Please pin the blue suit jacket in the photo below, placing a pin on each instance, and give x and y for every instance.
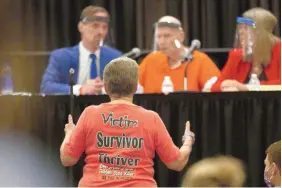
(56, 77)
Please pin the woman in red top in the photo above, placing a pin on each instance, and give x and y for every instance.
(258, 52)
(120, 138)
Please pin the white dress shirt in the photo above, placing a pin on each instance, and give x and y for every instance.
(84, 68)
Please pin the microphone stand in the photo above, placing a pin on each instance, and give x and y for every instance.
(187, 60)
(71, 83)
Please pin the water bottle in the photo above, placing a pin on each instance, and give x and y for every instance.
(140, 89)
(254, 83)
(167, 85)
(7, 81)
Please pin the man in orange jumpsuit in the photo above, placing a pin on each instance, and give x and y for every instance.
(167, 60)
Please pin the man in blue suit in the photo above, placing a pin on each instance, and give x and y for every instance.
(88, 58)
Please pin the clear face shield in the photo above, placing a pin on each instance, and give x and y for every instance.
(98, 30)
(167, 38)
(245, 36)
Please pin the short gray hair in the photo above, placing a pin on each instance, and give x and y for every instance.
(121, 77)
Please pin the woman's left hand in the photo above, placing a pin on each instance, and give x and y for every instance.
(233, 85)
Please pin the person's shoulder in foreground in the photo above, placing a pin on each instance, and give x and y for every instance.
(133, 109)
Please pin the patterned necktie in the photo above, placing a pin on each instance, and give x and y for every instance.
(93, 73)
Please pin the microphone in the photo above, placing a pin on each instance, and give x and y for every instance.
(134, 51)
(71, 80)
(71, 83)
(195, 45)
(187, 57)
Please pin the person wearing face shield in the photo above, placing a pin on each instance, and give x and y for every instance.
(167, 60)
(272, 171)
(256, 51)
(88, 58)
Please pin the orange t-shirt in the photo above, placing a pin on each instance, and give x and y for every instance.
(154, 68)
(120, 142)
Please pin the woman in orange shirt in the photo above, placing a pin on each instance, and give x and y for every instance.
(119, 138)
(257, 51)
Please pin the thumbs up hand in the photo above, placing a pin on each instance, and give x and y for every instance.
(70, 126)
(189, 137)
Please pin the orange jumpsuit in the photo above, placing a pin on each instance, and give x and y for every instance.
(154, 68)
